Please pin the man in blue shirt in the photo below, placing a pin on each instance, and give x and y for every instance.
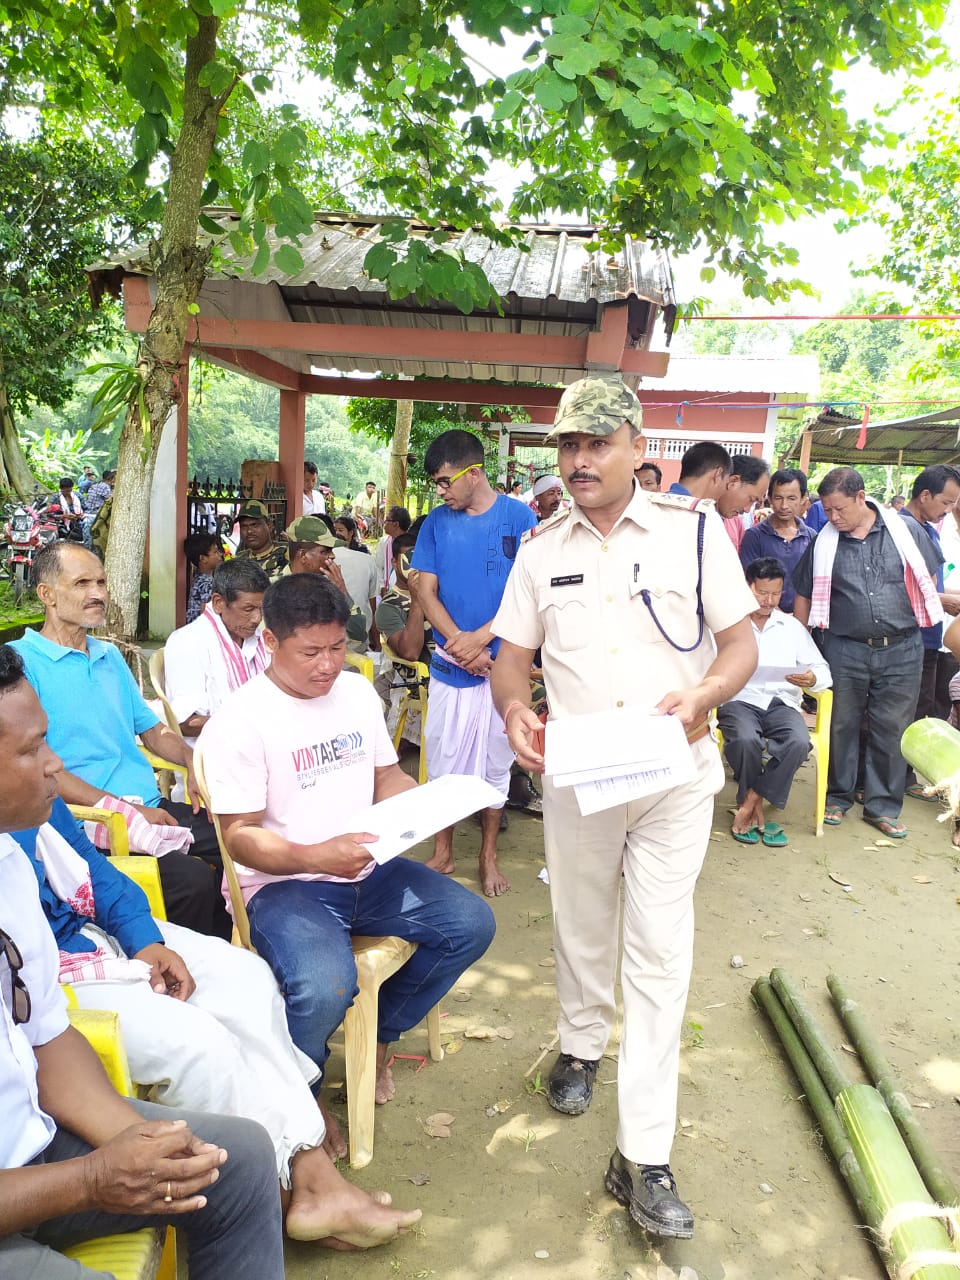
(704, 471)
(464, 553)
(783, 535)
(95, 713)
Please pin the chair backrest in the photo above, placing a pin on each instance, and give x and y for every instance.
(158, 679)
(144, 871)
(362, 664)
(237, 905)
(419, 669)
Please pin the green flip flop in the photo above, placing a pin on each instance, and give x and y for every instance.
(773, 836)
(746, 837)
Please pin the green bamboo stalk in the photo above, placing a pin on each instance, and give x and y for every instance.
(832, 1074)
(818, 1100)
(941, 1186)
(933, 748)
(893, 1180)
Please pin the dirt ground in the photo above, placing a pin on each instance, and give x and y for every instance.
(516, 1190)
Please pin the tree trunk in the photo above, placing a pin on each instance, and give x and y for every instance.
(399, 448)
(15, 475)
(179, 266)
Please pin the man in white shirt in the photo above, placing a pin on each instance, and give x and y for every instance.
(360, 575)
(766, 715)
(78, 1161)
(209, 658)
(365, 504)
(314, 503)
(292, 760)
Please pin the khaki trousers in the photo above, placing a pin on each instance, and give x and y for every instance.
(655, 848)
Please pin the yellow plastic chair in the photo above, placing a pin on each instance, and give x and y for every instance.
(141, 868)
(820, 737)
(158, 679)
(115, 823)
(151, 1252)
(360, 663)
(377, 959)
(412, 696)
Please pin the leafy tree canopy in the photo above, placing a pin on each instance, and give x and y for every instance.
(691, 129)
(918, 214)
(64, 203)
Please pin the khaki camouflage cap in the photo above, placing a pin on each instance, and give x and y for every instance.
(596, 405)
(310, 529)
(254, 509)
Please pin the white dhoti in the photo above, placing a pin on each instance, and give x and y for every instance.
(465, 734)
(227, 1049)
(655, 848)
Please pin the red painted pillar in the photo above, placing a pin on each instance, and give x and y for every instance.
(293, 405)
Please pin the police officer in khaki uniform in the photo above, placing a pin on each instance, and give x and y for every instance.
(635, 600)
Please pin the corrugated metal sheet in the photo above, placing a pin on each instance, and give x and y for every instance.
(917, 442)
(552, 285)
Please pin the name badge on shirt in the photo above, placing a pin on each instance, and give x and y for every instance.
(567, 580)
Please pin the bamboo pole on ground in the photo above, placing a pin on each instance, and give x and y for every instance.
(889, 1191)
(881, 1072)
(832, 1074)
(819, 1101)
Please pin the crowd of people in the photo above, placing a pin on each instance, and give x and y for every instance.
(599, 593)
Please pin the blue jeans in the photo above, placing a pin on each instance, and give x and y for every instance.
(238, 1235)
(302, 928)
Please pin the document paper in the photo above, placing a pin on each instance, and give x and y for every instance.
(613, 757)
(412, 816)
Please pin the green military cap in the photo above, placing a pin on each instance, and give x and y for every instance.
(310, 529)
(254, 509)
(596, 405)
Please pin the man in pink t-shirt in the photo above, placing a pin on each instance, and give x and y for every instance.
(290, 758)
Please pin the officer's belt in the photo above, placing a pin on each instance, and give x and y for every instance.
(699, 732)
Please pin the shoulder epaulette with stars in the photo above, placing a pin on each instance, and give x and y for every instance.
(682, 502)
(554, 522)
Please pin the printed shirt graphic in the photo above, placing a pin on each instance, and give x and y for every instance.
(472, 557)
(306, 763)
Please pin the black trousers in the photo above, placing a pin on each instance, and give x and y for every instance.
(747, 730)
(191, 883)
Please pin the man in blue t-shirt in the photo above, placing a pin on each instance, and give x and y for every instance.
(463, 556)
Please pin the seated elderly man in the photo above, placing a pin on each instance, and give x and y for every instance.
(292, 759)
(96, 711)
(210, 657)
(78, 1161)
(203, 1025)
(765, 715)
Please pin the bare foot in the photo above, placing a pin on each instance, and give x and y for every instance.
(384, 1089)
(441, 863)
(324, 1207)
(492, 880)
(334, 1143)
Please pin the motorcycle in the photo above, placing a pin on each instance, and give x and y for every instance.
(28, 529)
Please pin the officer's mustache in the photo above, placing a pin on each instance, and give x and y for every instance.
(583, 475)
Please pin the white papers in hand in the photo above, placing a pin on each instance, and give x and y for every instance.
(613, 757)
(412, 816)
(775, 675)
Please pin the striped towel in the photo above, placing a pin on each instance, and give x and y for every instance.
(920, 587)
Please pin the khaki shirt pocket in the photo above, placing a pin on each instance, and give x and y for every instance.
(565, 617)
(674, 611)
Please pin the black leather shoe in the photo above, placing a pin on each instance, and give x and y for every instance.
(570, 1086)
(650, 1193)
